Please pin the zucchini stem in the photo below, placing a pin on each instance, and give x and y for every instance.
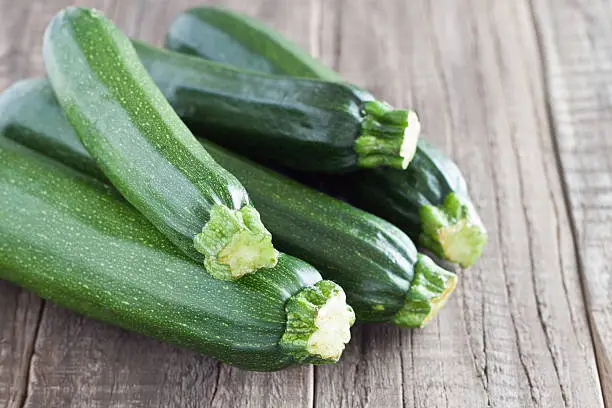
(430, 288)
(388, 136)
(235, 243)
(318, 324)
(453, 230)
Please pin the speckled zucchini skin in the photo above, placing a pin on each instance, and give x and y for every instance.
(125, 122)
(222, 35)
(68, 238)
(370, 258)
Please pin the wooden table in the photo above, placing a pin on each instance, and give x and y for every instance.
(519, 92)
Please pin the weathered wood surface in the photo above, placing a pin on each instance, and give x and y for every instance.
(502, 86)
(576, 39)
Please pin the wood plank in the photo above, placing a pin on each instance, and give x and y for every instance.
(84, 363)
(369, 374)
(19, 318)
(516, 334)
(576, 40)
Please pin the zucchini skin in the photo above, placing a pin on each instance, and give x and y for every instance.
(86, 250)
(140, 143)
(402, 197)
(370, 258)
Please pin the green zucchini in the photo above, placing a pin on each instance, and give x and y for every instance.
(242, 41)
(70, 239)
(429, 200)
(145, 149)
(322, 126)
(376, 264)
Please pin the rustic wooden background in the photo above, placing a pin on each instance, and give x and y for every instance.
(519, 92)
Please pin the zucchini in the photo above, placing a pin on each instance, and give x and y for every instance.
(371, 259)
(145, 149)
(429, 200)
(219, 34)
(70, 239)
(321, 126)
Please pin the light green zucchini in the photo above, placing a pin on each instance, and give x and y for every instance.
(146, 151)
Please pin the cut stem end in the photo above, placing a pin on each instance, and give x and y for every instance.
(318, 324)
(453, 230)
(430, 288)
(235, 243)
(388, 136)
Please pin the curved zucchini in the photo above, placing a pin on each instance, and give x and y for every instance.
(146, 151)
(67, 237)
(371, 259)
(429, 200)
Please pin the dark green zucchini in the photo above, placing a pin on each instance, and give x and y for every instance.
(319, 126)
(145, 149)
(373, 261)
(242, 41)
(70, 239)
(429, 200)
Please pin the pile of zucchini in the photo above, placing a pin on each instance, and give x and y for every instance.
(112, 207)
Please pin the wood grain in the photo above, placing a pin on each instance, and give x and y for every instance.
(516, 333)
(472, 69)
(576, 41)
(19, 317)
